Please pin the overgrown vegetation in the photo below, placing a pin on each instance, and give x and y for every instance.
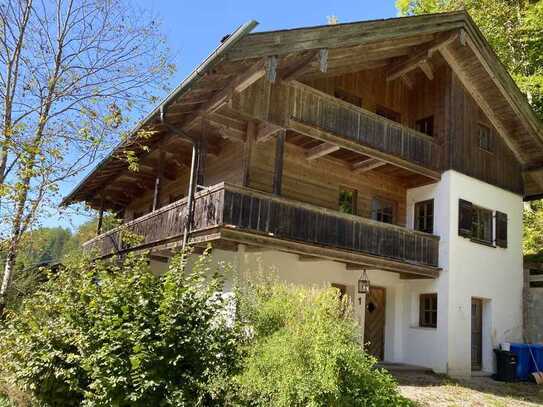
(305, 351)
(103, 334)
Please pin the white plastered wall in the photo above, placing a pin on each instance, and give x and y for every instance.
(470, 270)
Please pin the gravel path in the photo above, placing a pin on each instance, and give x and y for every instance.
(428, 389)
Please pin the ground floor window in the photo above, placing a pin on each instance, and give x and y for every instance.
(428, 310)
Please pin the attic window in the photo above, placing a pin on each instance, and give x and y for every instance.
(389, 114)
(425, 125)
(486, 140)
(348, 97)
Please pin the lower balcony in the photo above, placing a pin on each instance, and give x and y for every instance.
(226, 215)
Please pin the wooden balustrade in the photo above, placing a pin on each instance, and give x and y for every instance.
(232, 207)
(313, 107)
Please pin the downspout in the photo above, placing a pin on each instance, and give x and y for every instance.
(193, 168)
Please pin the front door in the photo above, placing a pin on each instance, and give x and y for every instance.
(476, 333)
(374, 325)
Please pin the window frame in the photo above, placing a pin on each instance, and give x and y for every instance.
(489, 147)
(416, 216)
(427, 121)
(381, 201)
(432, 310)
(348, 97)
(354, 193)
(476, 216)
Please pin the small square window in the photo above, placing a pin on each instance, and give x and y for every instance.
(428, 310)
(425, 125)
(348, 97)
(382, 210)
(424, 216)
(486, 140)
(347, 200)
(389, 114)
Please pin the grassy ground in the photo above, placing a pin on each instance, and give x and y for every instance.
(427, 389)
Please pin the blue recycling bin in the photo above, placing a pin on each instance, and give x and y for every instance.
(524, 360)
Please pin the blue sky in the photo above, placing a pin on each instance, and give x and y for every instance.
(194, 29)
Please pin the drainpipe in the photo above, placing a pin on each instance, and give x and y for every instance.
(193, 170)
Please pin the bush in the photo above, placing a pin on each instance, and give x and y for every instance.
(305, 351)
(106, 334)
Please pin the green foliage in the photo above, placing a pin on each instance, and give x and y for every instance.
(533, 230)
(305, 351)
(113, 334)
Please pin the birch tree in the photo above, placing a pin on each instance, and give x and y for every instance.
(74, 74)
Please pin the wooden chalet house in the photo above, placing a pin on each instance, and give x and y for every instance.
(399, 147)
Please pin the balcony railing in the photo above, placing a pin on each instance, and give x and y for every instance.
(316, 108)
(232, 207)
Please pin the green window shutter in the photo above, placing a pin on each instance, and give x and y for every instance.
(465, 218)
(501, 229)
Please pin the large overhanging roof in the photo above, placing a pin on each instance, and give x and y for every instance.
(350, 47)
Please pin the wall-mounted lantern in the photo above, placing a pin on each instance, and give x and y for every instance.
(363, 283)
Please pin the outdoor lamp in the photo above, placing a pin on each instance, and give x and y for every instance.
(363, 283)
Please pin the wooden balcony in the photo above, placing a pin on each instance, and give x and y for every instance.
(230, 213)
(318, 115)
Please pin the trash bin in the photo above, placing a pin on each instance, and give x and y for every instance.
(524, 360)
(537, 350)
(507, 366)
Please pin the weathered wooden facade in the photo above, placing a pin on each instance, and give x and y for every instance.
(277, 129)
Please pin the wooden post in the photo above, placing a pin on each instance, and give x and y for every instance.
(247, 151)
(190, 194)
(202, 154)
(158, 180)
(278, 170)
(100, 218)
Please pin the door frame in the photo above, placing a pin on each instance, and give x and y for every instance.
(384, 290)
(480, 302)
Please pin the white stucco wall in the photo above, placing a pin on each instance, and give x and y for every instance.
(470, 270)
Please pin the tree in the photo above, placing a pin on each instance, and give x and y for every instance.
(75, 73)
(112, 333)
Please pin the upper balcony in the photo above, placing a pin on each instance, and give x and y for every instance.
(228, 213)
(308, 111)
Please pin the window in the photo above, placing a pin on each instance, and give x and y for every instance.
(348, 97)
(482, 225)
(478, 224)
(382, 210)
(536, 282)
(425, 125)
(389, 114)
(347, 200)
(486, 140)
(428, 310)
(424, 216)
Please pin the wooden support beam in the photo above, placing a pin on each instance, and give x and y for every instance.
(309, 259)
(271, 68)
(426, 67)
(158, 180)
(221, 98)
(266, 131)
(202, 153)
(248, 151)
(100, 217)
(323, 60)
(320, 151)
(420, 59)
(367, 165)
(407, 82)
(279, 157)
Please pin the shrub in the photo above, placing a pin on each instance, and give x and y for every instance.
(305, 351)
(113, 334)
